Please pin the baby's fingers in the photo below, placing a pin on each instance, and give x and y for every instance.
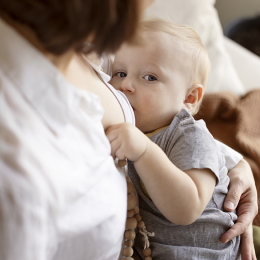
(116, 149)
(112, 133)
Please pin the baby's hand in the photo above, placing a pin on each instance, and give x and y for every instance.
(127, 141)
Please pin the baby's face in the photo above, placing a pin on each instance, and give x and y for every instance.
(152, 76)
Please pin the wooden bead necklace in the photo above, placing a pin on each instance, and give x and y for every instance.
(134, 221)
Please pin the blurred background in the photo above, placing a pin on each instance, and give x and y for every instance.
(230, 10)
(240, 20)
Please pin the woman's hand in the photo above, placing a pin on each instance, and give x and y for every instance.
(242, 196)
(247, 248)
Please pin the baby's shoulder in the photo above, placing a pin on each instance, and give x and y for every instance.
(185, 124)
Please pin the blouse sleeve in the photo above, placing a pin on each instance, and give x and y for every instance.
(232, 157)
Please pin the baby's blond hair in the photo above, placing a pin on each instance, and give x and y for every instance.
(190, 44)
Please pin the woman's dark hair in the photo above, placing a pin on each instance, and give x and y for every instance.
(62, 24)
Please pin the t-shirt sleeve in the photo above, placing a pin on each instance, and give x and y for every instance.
(191, 146)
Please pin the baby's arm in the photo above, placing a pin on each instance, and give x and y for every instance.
(180, 196)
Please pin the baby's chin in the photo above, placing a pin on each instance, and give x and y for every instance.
(139, 126)
(142, 127)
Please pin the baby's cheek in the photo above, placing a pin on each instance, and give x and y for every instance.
(150, 102)
(114, 84)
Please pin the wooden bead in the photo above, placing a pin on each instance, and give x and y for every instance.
(127, 258)
(131, 223)
(130, 213)
(131, 201)
(148, 258)
(129, 243)
(127, 178)
(138, 217)
(130, 187)
(141, 224)
(147, 251)
(136, 209)
(121, 163)
(128, 251)
(129, 235)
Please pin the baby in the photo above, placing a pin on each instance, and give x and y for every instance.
(180, 173)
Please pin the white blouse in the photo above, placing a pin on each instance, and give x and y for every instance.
(61, 196)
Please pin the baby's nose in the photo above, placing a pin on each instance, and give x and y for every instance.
(127, 86)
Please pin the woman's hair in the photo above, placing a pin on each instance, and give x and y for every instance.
(189, 43)
(63, 24)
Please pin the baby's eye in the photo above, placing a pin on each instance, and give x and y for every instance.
(150, 77)
(121, 74)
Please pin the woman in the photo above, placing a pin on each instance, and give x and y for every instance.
(61, 195)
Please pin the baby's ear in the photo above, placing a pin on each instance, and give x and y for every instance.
(193, 97)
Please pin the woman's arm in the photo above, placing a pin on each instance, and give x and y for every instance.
(163, 180)
(243, 196)
(247, 248)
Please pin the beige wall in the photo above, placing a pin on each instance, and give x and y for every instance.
(229, 10)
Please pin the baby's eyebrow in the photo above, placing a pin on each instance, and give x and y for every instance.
(154, 67)
(116, 67)
(116, 63)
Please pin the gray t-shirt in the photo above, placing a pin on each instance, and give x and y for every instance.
(189, 145)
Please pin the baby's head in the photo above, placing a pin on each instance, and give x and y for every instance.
(163, 71)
